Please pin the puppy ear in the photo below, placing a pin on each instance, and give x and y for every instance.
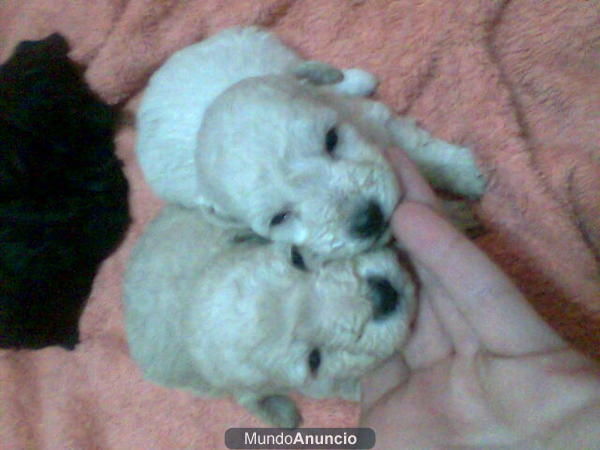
(317, 73)
(276, 410)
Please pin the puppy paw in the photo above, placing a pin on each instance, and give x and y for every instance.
(350, 82)
(446, 166)
(456, 171)
(357, 83)
(276, 410)
(469, 180)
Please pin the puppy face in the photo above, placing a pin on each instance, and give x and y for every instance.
(268, 324)
(222, 312)
(286, 159)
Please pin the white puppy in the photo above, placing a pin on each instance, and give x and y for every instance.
(219, 312)
(242, 127)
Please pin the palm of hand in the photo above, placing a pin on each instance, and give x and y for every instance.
(482, 369)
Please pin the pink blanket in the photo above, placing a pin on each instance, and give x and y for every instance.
(518, 81)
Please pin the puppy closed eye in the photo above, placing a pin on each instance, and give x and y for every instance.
(279, 218)
(314, 360)
(331, 141)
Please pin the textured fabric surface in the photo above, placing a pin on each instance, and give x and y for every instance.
(517, 81)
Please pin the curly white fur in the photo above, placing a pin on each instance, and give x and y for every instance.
(237, 125)
(218, 313)
(245, 137)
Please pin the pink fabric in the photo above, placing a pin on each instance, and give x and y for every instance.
(518, 81)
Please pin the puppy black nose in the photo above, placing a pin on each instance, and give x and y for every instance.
(368, 221)
(384, 297)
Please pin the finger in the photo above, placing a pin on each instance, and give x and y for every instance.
(484, 297)
(415, 187)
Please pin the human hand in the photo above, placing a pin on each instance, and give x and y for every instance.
(481, 369)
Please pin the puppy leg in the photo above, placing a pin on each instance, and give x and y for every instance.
(277, 410)
(446, 166)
